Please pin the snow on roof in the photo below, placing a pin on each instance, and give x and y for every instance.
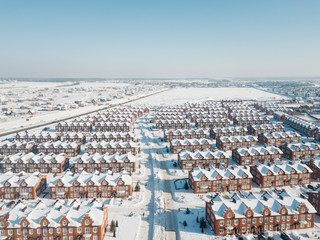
(258, 203)
(112, 144)
(192, 141)
(34, 212)
(15, 179)
(90, 179)
(98, 158)
(259, 149)
(239, 138)
(58, 144)
(282, 168)
(302, 146)
(34, 158)
(205, 154)
(224, 173)
(281, 134)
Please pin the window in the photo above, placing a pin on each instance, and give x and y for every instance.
(70, 230)
(86, 222)
(95, 229)
(79, 230)
(64, 223)
(221, 231)
(221, 223)
(24, 224)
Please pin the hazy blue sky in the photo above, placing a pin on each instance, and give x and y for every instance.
(159, 38)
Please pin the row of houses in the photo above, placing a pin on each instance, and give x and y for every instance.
(190, 159)
(300, 125)
(38, 220)
(177, 145)
(281, 174)
(300, 151)
(105, 162)
(30, 163)
(246, 121)
(278, 138)
(66, 185)
(212, 122)
(227, 132)
(172, 124)
(111, 147)
(232, 142)
(258, 213)
(220, 179)
(256, 129)
(183, 133)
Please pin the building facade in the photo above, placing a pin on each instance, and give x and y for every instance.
(22, 185)
(232, 142)
(220, 180)
(281, 174)
(251, 155)
(190, 159)
(259, 213)
(31, 163)
(105, 162)
(90, 185)
(86, 220)
(177, 145)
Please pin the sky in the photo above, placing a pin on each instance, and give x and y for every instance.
(159, 38)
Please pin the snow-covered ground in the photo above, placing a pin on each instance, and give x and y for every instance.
(182, 95)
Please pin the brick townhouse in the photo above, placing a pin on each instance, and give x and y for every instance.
(90, 185)
(300, 151)
(172, 124)
(256, 129)
(261, 154)
(74, 137)
(220, 179)
(246, 121)
(227, 131)
(190, 159)
(73, 127)
(244, 113)
(38, 220)
(279, 116)
(113, 127)
(105, 162)
(300, 125)
(111, 147)
(177, 145)
(37, 137)
(183, 133)
(112, 136)
(72, 149)
(232, 142)
(281, 174)
(22, 185)
(9, 148)
(166, 117)
(314, 198)
(31, 163)
(314, 165)
(212, 122)
(278, 138)
(258, 213)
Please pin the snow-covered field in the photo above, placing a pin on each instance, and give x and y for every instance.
(182, 95)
